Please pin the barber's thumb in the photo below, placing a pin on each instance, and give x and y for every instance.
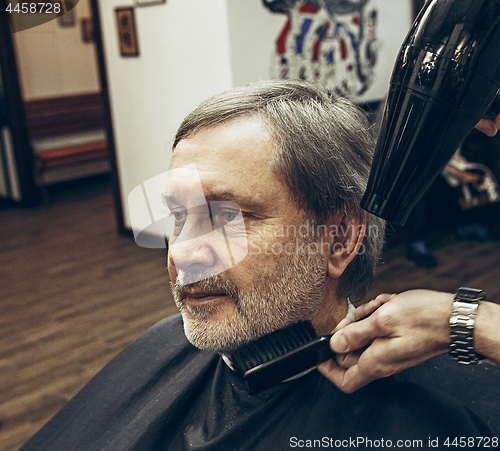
(339, 343)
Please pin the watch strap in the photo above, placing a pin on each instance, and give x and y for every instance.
(462, 323)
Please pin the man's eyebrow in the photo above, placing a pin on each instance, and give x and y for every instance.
(210, 196)
(166, 198)
(222, 196)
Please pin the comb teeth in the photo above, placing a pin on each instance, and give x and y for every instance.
(271, 346)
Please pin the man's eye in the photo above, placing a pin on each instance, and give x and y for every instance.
(179, 215)
(229, 215)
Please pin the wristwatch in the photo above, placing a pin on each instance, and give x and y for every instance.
(462, 321)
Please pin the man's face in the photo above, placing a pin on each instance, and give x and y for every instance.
(280, 280)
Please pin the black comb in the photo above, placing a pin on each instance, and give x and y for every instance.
(280, 355)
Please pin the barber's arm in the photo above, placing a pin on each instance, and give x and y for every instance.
(402, 331)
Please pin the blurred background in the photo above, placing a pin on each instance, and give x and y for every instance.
(89, 104)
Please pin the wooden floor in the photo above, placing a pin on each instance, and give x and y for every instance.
(74, 293)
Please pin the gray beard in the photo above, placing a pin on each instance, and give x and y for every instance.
(294, 291)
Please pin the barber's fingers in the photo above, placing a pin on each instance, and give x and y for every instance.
(367, 309)
(488, 126)
(352, 337)
(379, 324)
(351, 379)
(339, 376)
(342, 324)
(349, 372)
(349, 359)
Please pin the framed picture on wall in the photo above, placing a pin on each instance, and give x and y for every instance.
(127, 35)
(87, 30)
(148, 2)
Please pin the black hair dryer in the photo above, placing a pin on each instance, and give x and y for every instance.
(446, 78)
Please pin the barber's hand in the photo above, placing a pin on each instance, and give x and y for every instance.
(489, 126)
(401, 331)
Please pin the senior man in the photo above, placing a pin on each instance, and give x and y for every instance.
(264, 186)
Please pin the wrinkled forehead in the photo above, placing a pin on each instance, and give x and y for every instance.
(184, 186)
(233, 157)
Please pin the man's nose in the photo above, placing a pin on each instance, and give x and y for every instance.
(195, 254)
(200, 257)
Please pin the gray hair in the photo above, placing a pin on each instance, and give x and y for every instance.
(324, 147)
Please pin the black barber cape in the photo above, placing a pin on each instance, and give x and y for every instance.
(161, 393)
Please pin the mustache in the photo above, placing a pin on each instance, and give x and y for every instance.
(213, 283)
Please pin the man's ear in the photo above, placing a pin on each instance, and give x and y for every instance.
(346, 241)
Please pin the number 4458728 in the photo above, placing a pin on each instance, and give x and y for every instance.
(32, 8)
(471, 442)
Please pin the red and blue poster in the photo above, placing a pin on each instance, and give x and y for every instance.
(332, 43)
